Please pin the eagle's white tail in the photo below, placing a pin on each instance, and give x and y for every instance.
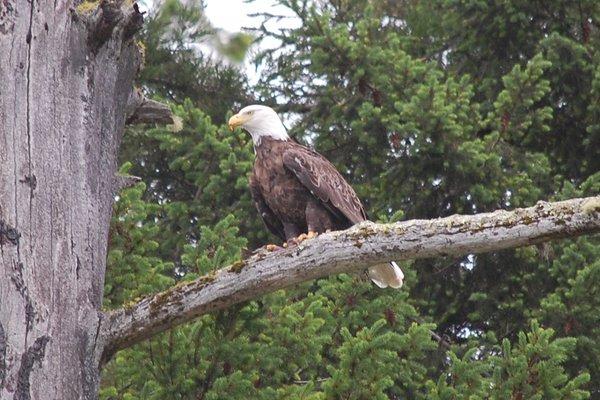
(384, 275)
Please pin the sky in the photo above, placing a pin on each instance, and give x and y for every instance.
(233, 16)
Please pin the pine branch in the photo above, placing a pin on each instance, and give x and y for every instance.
(351, 250)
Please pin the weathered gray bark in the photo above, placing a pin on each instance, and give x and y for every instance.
(347, 251)
(65, 81)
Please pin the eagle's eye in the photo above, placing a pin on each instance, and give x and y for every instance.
(249, 112)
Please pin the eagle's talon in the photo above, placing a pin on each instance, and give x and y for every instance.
(301, 238)
(272, 247)
(295, 241)
(311, 235)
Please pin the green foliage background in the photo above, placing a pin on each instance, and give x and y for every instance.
(429, 109)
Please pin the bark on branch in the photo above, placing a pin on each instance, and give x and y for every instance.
(347, 251)
(125, 181)
(145, 111)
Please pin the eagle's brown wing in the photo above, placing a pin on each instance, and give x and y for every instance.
(269, 218)
(319, 176)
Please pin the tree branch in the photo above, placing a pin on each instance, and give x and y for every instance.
(351, 250)
(142, 110)
(124, 181)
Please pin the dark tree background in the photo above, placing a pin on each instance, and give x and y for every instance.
(429, 109)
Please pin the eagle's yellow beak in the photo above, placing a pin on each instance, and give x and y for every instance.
(237, 120)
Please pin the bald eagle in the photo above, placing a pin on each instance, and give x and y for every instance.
(298, 192)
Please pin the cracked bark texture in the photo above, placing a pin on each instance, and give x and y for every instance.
(65, 79)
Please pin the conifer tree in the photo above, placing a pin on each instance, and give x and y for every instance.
(428, 109)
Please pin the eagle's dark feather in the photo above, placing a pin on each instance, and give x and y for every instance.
(321, 178)
(271, 221)
(297, 190)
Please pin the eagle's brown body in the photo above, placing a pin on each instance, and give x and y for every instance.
(296, 190)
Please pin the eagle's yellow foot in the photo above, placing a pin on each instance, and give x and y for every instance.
(302, 237)
(272, 247)
(312, 235)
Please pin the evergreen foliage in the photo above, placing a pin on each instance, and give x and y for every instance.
(428, 109)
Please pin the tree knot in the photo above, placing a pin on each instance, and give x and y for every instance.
(8, 234)
(110, 16)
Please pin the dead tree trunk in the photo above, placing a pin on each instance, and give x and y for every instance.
(65, 80)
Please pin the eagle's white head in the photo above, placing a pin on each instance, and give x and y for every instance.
(259, 121)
